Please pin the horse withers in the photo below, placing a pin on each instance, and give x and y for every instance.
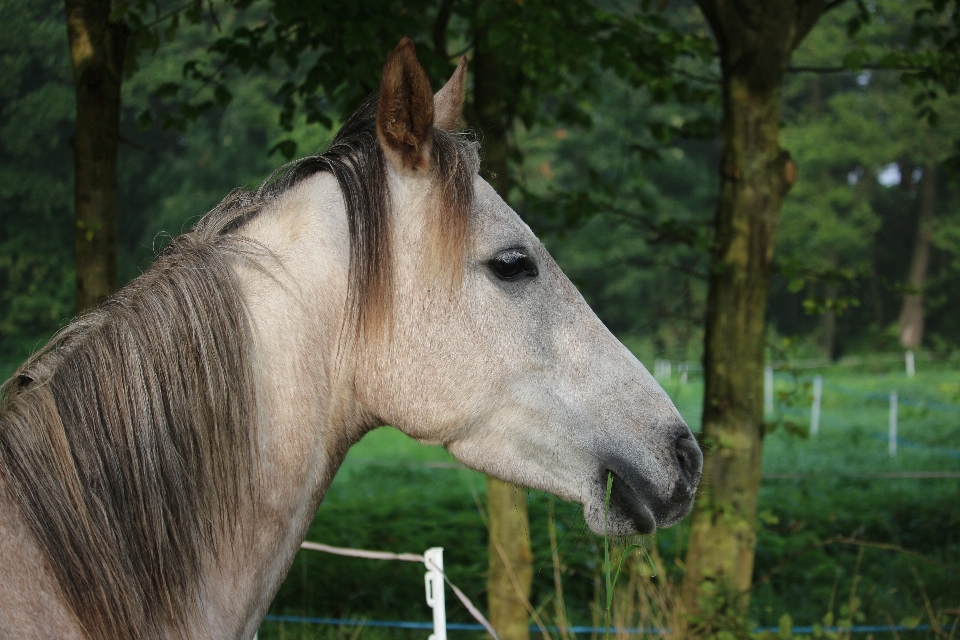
(162, 457)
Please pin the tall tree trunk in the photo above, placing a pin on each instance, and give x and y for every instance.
(97, 50)
(755, 38)
(911, 313)
(511, 560)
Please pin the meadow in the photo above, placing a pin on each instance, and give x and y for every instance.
(845, 534)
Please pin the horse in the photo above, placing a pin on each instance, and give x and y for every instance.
(162, 457)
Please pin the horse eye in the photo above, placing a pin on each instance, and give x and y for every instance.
(514, 265)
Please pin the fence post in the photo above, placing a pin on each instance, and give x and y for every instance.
(433, 559)
(893, 424)
(911, 363)
(682, 370)
(768, 390)
(815, 410)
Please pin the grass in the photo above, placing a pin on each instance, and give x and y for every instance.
(394, 494)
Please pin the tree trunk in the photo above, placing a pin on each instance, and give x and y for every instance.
(755, 38)
(911, 313)
(511, 560)
(827, 338)
(97, 50)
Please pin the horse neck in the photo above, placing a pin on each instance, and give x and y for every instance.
(296, 300)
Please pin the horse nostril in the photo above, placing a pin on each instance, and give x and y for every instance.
(690, 458)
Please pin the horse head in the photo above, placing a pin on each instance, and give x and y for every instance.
(491, 351)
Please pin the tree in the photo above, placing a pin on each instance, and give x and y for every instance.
(755, 39)
(847, 239)
(755, 42)
(99, 33)
(36, 122)
(98, 47)
(911, 311)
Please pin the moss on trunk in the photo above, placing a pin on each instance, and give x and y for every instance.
(755, 38)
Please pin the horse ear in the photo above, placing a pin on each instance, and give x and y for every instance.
(405, 108)
(448, 102)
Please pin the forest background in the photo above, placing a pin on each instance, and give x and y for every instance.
(616, 187)
(613, 163)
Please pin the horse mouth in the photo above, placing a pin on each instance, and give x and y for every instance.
(621, 513)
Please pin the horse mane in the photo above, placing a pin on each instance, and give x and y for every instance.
(129, 440)
(356, 159)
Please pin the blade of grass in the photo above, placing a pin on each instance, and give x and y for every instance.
(606, 551)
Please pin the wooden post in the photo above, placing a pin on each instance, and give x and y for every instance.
(911, 363)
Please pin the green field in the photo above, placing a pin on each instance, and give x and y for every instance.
(394, 494)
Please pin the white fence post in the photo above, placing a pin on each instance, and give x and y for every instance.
(682, 370)
(661, 370)
(768, 390)
(433, 559)
(893, 424)
(815, 410)
(911, 363)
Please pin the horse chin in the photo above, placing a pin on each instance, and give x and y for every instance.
(625, 514)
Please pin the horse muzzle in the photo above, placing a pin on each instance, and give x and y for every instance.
(641, 500)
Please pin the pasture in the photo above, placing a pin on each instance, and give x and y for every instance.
(835, 535)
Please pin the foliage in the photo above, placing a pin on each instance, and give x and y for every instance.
(36, 109)
(549, 53)
(847, 229)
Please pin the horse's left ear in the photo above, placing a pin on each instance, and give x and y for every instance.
(405, 108)
(448, 102)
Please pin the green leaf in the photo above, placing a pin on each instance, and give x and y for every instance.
(167, 90)
(144, 120)
(785, 628)
(222, 96)
(287, 148)
(910, 622)
(606, 540)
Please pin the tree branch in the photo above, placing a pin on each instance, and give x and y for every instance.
(864, 67)
(169, 14)
(832, 5)
(136, 145)
(440, 28)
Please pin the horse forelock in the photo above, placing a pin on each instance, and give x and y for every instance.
(356, 159)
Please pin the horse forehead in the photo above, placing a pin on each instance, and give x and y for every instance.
(497, 224)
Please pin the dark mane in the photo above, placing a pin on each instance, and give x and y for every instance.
(129, 440)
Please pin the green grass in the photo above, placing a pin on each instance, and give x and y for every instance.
(394, 494)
